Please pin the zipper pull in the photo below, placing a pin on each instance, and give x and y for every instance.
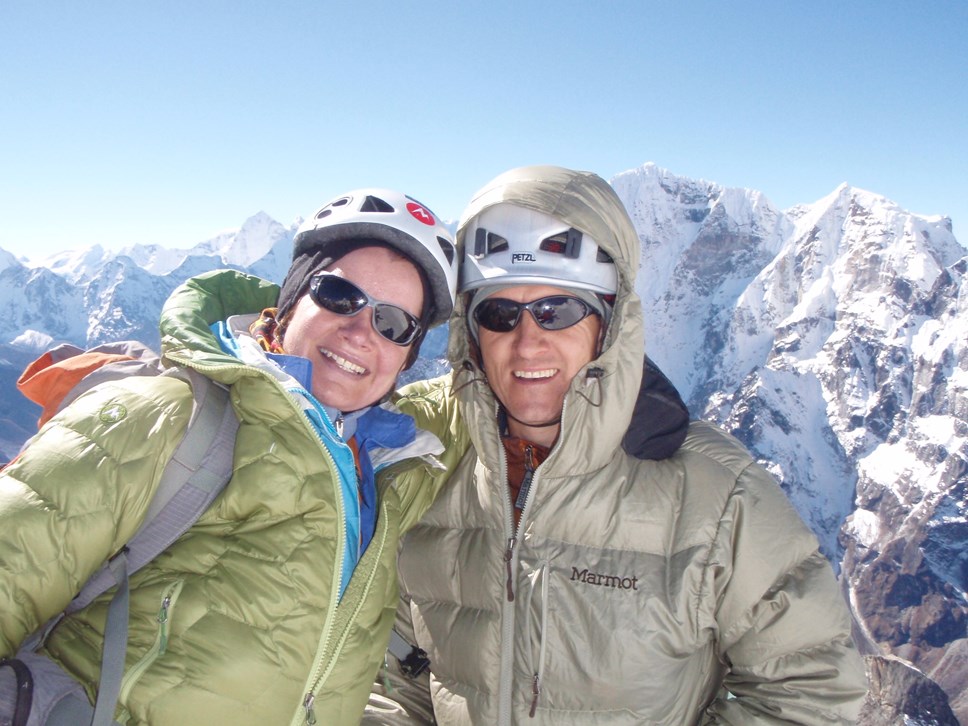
(338, 423)
(508, 555)
(526, 480)
(385, 673)
(163, 621)
(535, 692)
(308, 705)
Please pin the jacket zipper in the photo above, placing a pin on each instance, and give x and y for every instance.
(508, 559)
(535, 692)
(511, 555)
(519, 503)
(526, 479)
(158, 648)
(305, 712)
(309, 701)
(507, 619)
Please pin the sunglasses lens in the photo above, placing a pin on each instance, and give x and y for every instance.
(340, 296)
(395, 324)
(497, 314)
(558, 313)
(337, 295)
(551, 313)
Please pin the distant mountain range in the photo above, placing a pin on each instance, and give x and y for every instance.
(831, 338)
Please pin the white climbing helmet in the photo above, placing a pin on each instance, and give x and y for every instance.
(510, 245)
(398, 221)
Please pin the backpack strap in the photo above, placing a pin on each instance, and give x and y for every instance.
(196, 473)
(115, 645)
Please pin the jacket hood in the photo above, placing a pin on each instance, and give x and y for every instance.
(187, 339)
(599, 404)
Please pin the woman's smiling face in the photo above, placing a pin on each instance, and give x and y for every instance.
(353, 365)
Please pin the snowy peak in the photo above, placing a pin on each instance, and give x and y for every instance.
(247, 245)
(242, 247)
(7, 260)
(75, 265)
(875, 239)
(42, 302)
(702, 245)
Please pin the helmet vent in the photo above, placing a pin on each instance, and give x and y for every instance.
(375, 204)
(564, 243)
(328, 209)
(448, 249)
(496, 243)
(603, 256)
(487, 243)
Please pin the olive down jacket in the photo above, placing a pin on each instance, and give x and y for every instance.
(679, 591)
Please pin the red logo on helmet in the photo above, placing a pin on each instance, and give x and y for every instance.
(420, 213)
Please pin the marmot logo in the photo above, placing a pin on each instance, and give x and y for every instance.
(522, 257)
(594, 578)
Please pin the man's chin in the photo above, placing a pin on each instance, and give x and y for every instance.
(537, 419)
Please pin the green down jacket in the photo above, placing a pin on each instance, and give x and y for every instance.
(633, 591)
(255, 629)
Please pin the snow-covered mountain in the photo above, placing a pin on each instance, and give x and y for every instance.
(831, 338)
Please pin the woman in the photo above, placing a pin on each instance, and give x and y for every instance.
(275, 606)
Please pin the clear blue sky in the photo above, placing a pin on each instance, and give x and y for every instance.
(165, 122)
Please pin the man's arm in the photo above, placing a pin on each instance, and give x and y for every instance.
(784, 629)
(434, 408)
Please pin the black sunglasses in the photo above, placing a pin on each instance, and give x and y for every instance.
(556, 312)
(339, 295)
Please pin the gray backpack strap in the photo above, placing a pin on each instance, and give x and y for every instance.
(196, 473)
(115, 645)
(56, 699)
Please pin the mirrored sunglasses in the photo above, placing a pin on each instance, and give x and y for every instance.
(339, 295)
(556, 312)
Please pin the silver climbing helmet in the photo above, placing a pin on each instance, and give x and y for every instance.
(507, 244)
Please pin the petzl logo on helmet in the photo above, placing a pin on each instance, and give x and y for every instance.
(420, 213)
(522, 257)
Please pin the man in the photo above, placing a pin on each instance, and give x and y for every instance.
(558, 580)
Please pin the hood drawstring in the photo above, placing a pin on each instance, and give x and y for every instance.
(467, 372)
(593, 379)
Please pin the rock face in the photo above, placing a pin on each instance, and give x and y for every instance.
(831, 338)
(902, 695)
